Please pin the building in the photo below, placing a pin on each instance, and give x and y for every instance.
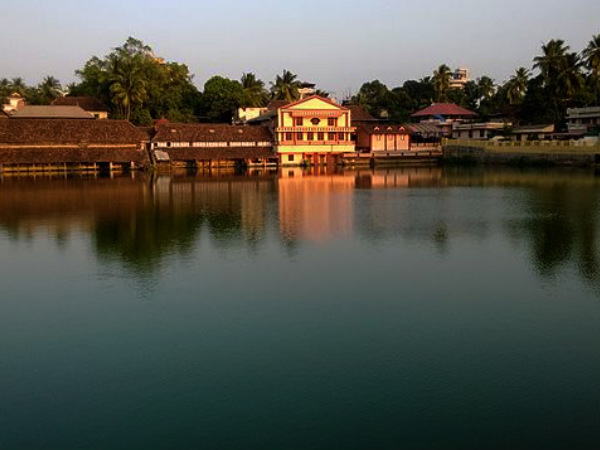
(3, 114)
(459, 78)
(51, 112)
(533, 132)
(311, 131)
(307, 89)
(64, 143)
(443, 116)
(382, 137)
(243, 115)
(14, 102)
(583, 120)
(89, 104)
(478, 131)
(213, 145)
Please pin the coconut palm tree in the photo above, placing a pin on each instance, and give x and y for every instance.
(441, 82)
(49, 89)
(18, 85)
(517, 86)
(552, 61)
(286, 87)
(254, 90)
(591, 58)
(486, 87)
(127, 84)
(570, 79)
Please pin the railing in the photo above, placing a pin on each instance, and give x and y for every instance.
(570, 147)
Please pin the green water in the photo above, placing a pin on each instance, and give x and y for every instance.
(405, 309)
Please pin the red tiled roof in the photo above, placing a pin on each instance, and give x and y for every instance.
(359, 114)
(87, 103)
(444, 109)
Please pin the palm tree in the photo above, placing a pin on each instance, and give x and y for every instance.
(127, 84)
(286, 87)
(441, 82)
(570, 78)
(551, 62)
(254, 90)
(517, 86)
(49, 89)
(18, 85)
(591, 56)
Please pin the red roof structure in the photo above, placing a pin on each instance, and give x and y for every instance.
(444, 110)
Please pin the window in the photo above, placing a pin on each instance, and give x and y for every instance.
(320, 136)
(298, 121)
(300, 136)
(168, 144)
(290, 158)
(481, 133)
(332, 136)
(342, 136)
(470, 134)
(288, 136)
(310, 136)
(332, 122)
(316, 121)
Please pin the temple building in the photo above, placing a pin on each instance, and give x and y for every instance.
(312, 131)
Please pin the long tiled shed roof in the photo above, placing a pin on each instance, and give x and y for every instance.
(51, 112)
(68, 131)
(444, 109)
(177, 132)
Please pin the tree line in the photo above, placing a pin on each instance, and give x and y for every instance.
(137, 85)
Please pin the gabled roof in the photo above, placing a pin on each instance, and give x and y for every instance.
(87, 103)
(384, 128)
(444, 109)
(359, 114)
(313, 97)
(3, 114)
(276, 104)
(51, 112)
(210, 132)
(68, 131)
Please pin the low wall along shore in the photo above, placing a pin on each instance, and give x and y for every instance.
(528, 152)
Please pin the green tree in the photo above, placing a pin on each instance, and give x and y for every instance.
(374, 96)
(517, 86)
(591, 56)
(49, 89)
(255, 94)
(286, 87)
(127, 84)
(221, 97)
(441, 82)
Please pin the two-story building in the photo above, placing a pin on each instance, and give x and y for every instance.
(312, 131)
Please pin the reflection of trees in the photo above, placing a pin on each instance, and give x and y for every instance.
(561, 227)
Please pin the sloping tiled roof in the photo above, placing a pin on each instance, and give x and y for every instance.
(51, 112)
(359, 114)
(57, 155)
(424, 128)
(3, 114)
(276, 104)
(68, 131)
(86, 103)
(211, 132)
(444, 109)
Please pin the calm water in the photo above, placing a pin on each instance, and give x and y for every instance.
(405, 309)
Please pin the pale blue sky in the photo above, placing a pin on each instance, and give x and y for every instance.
(337, 44)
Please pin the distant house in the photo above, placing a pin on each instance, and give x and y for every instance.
(89, 104)
(382, 137)
(533, 132)
(443, 115)
(70, 141)
(51, 112)
(459, 78)
(213, 144)
(477, 131)
(15, 102)
(583, 120)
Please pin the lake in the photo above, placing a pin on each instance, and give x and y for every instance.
(411, 308)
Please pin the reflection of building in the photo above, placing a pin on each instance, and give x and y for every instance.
(583, 120)
(314, 130)
(90, 104)
(315, 207)
(459, 78)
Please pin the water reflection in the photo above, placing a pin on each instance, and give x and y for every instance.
(140, 220)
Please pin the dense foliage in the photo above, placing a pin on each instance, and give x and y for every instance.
(136, 84)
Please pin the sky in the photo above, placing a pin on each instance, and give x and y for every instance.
(338, 44)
